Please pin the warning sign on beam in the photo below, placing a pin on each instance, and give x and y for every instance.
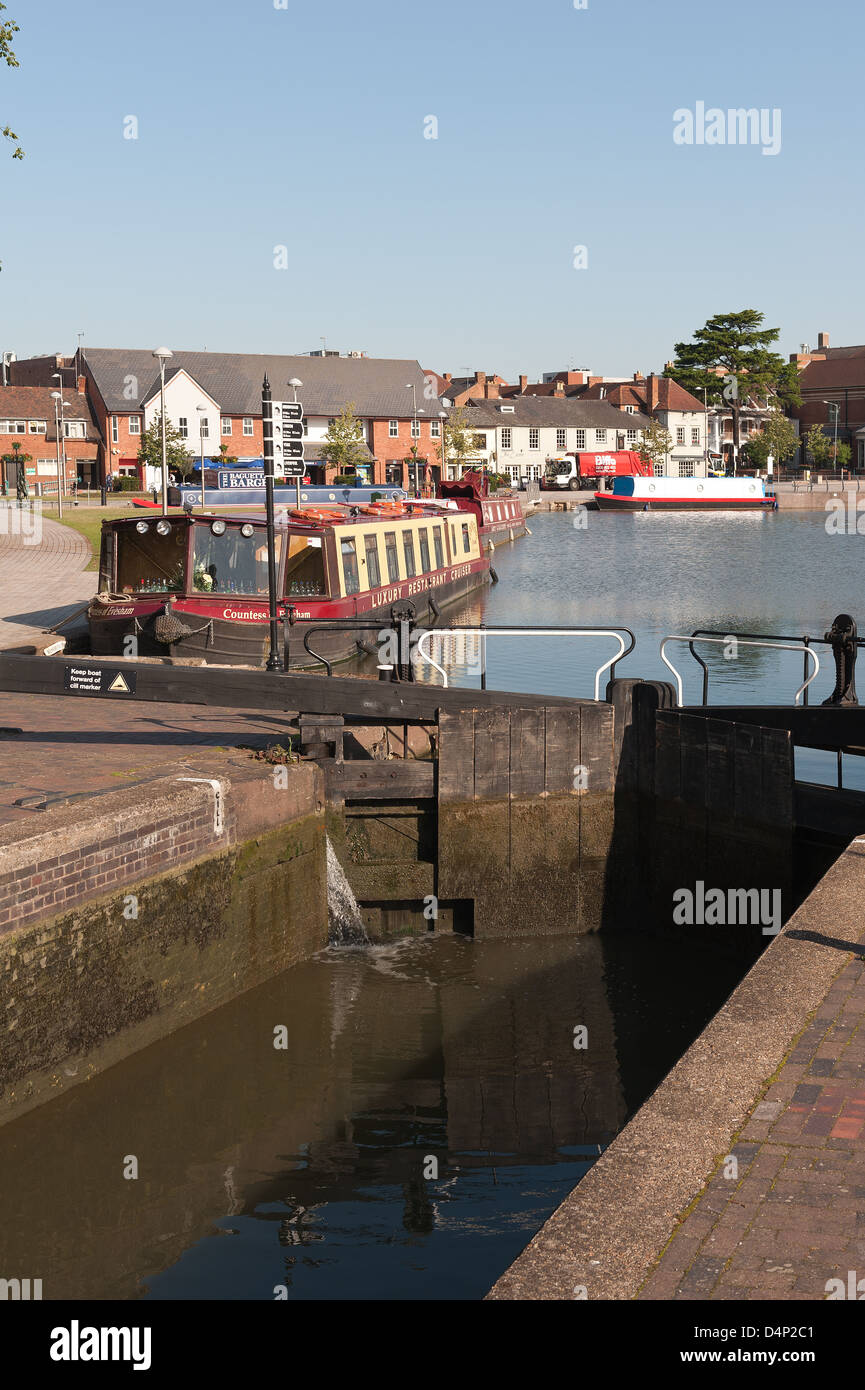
(99, 680)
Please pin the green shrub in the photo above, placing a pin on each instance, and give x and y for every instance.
(123, 483)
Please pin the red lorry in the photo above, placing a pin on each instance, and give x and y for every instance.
(588, 470)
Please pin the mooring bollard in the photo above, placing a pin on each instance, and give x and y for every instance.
(843, 637)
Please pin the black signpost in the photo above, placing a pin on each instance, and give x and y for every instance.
(273, 660)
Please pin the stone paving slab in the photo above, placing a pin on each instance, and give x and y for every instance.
(74, 744)
(42, 575)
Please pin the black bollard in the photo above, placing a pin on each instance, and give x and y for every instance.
(843, 637)
(103, 495)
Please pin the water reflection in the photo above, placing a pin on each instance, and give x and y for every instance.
(428, 1112)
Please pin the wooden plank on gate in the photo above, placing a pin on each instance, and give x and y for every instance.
(527, 752)
(492, 753)
(562, 749)
(596, 747)
(456, 741)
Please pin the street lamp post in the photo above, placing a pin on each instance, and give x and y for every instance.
(58, 417)
(836, 408)
(163, 354)
(410, 386)
(61, 478)
(294, 383)
(201, 409)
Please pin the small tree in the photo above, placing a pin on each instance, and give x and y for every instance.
(225, 460)
(778, 438)
(458, 439)
(654, 445)
(344, 447)
(177, 455)
(819, 446)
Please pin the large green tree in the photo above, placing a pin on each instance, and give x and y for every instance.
(731, 358)
(8, 29)
(177, 454)
(344, 447)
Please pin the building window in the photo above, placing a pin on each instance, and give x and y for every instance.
(423, 537)
(349, 566)
(629, 409)
(393, 429)
(415, 429)
(467, 544)
(435, 429)
(479, 441)
(631, 436)
(392, 556)
(75, 429)
(38, 427)
(600, 436)
(658, 470)
(13, 427)
(183, 427)
(506, 439)
(561, 439)
(247, 425)
(534, 439)
(204, 427)
(581, 439)
(408, 551)
(135, 424)
(686, 468)
(680, 434)
(439, 550)
(373, 573)
(115, 434)
(695, 436)
(226, 425)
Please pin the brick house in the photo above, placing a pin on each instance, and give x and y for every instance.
(664, 400)
(222, 393)
(28, 427)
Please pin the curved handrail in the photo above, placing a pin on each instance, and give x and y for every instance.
(624, 650)
(745, 642)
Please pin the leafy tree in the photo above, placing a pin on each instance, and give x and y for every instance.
(8, 28)
(344, 446)
(225, 460)
(730, 357)
(458, 438)
(778, 438)
(821, 447)
(177, 455)
(655, 444)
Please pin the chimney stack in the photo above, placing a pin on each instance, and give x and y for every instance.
(82, 386)
(558, 388)
(480, 378)
(448, 377)
(524, 381)
(654, 392)
(638, 376)
(822, 341)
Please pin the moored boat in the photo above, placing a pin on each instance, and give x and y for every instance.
(196, 586)
(686, 494)
(499, 518)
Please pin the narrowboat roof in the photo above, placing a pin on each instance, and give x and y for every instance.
(336, 514)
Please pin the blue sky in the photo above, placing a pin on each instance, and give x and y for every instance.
(304, 127)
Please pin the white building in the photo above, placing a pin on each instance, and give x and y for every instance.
(518, 436)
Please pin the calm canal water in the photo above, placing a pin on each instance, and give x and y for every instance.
(660, 573)
(310, 1167)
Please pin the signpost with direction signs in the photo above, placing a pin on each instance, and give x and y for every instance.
(288, 458)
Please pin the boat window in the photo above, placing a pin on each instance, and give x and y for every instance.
(304, 567)
(437, 542)
(150, 563)
(467, 545)
(373, 571)
(408, 549)
(230, 563)
(453, 541)
(424, 550)
(349, 565)
(392, 554)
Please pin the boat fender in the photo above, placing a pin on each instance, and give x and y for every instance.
(493, 576)
(434, 608)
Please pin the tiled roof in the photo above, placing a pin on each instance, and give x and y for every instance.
(551, 410)
(835, 373)
(36, 403)
(377, 386)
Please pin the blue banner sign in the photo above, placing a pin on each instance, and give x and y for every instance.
(246, 477)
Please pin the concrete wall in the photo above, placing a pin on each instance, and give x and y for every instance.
(124, 921)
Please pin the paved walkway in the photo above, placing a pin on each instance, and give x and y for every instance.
(793, 1216)
(42, 575)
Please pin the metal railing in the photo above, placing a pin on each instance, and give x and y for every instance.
(772, 644)
(483, 632)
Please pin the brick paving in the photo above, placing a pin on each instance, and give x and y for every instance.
(793, 1215)
(42, 576)
(70, 746)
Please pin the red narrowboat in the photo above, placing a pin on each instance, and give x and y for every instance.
(196, 587)
(499, 518)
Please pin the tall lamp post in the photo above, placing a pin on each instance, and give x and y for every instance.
(410, 386)
(294, 383)
(61, 478)
(273, 662)
(58, 418)
(836, 408)
(201, 409)
(163, 355)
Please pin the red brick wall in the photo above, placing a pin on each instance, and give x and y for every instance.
(385, 448)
